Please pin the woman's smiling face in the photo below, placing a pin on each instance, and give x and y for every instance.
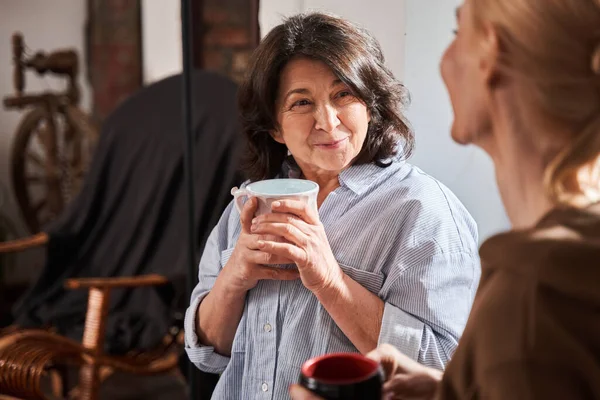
(321, 122)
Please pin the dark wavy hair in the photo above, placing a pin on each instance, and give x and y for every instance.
(357, 60)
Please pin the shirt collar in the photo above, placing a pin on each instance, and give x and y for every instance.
(357, 178)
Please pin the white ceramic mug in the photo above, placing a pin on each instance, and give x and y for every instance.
(268, 191)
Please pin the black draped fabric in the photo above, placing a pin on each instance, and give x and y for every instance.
(131, 215)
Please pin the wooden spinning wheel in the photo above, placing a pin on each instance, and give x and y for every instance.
(54, 142)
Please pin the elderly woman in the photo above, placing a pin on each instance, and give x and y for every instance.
(524, 80)
(391, 255)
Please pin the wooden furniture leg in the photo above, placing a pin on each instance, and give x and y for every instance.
(93, 339)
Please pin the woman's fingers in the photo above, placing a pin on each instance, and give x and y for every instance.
(277, 274)
(393, 361)
(389, 357)
(405, 377)
(284, 250)
(261, 257)
(247, 214)
(297, 392)
(285, 218)
(298, 208)
(411, 386)
(287, 231)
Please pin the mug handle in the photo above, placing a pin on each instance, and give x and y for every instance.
(238, 197)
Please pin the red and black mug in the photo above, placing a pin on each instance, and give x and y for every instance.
(347, 376)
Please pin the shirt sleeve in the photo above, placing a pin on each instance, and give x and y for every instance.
(205, 357)
(427, 306)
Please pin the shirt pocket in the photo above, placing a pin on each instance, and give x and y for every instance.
(372, 281)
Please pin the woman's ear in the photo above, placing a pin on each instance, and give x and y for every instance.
(489, 61)
(277, 136)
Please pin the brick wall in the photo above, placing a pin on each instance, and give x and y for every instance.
(114, 55)
(229, 32)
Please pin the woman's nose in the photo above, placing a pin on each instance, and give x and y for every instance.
(326, 118)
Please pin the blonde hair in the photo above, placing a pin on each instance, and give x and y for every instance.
(553, 48)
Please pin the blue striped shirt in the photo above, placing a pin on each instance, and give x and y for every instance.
(400, 234)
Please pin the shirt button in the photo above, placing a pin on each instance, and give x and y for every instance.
(264, 387)
(267, 327)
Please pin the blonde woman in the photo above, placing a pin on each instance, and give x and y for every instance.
(524, 80)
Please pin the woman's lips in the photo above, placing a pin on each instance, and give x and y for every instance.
(332, 145)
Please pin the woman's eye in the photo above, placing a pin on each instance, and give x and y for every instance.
(301, 103)
(345, 97)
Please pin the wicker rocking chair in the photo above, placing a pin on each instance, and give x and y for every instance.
(27, 355)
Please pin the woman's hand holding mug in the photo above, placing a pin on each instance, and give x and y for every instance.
(305, 242)
(405, 378)
(286, 229)
(246, 267)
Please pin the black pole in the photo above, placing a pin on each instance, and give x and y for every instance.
(186, 36)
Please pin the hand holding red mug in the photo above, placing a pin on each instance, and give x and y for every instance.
(405, 378)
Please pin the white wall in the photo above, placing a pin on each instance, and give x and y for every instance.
(272, 12)
(45, 25)
(383, 18)
(413, 35)
(466, 170)
(161, 39)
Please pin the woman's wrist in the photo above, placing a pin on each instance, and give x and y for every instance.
(228, 285)
(331, 289)
(223, 295)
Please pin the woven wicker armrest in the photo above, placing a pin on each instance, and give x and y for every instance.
(26, 355)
